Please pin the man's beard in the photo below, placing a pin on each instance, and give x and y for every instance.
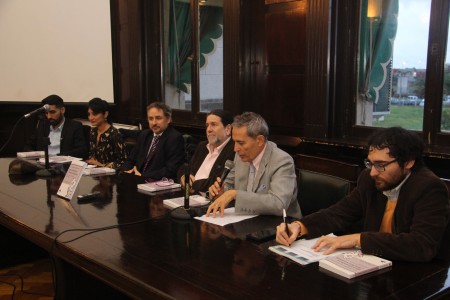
(55, 122)
(214, 140)
(382, 185)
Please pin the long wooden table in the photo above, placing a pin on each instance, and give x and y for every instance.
(165, 258)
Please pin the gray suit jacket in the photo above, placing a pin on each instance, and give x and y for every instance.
(274, 186)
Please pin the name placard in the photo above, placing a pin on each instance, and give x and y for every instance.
(71, 180)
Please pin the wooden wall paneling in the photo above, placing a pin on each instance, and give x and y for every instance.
(153, 56)
(232, 42)
(343, 73)
(9, 116)
(251, 55)
(130, 74)
(317, 69)
(284, 70)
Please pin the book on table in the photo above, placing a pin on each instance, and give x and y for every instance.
(354, 264)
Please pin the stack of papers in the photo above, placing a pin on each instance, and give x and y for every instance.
(59, 159)
(194, 200)
(30, 154)
(98, 170)
(353, 264)
(158, 186)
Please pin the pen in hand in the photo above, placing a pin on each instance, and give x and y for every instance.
(285, 222)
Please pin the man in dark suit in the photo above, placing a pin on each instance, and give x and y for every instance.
(159, 151)
(403, 206)
(209, 158)
(66, 135)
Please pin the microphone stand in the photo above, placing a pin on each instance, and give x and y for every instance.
(44, 141)
(184, 212)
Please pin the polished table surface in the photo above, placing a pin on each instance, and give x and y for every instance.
(165, 258)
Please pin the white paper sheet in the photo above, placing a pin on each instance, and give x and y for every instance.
(301, 252)
(229, 217)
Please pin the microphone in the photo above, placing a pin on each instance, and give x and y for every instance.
(46, 107)
(229, 164)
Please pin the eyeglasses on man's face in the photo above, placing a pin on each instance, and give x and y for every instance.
(380, 167)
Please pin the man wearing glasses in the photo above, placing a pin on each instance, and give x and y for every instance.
(159, 151)
(403, 207)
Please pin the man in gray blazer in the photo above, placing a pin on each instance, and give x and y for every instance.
(263, 179)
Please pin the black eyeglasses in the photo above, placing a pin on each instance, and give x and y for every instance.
(380, 167)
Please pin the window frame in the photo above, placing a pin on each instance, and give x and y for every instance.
(194, 117)
(346, 36)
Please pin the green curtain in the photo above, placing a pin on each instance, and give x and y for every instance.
(376, 77)
(179, 56)
(211, 20)
(179, 47)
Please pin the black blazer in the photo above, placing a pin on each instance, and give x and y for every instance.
(197, 159)
(168, 156)
(73, 141)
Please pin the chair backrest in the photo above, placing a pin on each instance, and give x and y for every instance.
(322, 182)
(130, 137)
(317, 191)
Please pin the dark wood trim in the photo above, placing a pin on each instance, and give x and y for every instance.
(195, 64)
(437, 45)
(317, 69)
(343, 70)
(231, 47)
(153, 51)
(130, 53)
(115, 46)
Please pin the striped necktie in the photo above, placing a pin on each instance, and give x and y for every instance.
(151, 152)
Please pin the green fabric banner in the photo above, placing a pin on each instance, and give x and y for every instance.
(179, 54)
(376, 49)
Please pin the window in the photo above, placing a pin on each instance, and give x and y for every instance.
(403, 70)
(393, 59)
(193, 63)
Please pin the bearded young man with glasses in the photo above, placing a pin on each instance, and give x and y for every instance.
(403, 207)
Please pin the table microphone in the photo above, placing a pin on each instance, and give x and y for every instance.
(229, 164)
(46, 107)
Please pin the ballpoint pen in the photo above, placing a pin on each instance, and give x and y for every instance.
(285, 222)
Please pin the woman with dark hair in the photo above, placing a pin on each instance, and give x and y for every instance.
(106, 147)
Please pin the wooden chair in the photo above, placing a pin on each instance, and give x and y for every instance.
(322, 182)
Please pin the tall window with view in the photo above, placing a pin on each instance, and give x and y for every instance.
(182, 88)
(392, 65)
